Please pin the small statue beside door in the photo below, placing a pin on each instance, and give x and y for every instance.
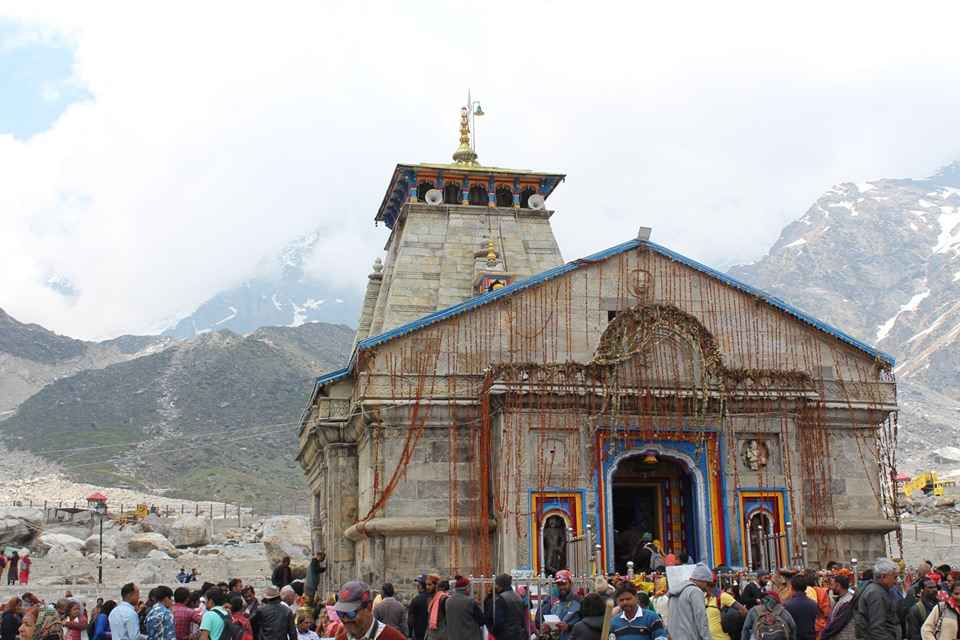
(554, 545)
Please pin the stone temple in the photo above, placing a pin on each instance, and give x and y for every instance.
(506, 410)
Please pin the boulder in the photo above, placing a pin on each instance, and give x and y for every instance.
(156, 554)
(75, 531)
(14, 532)
(60, 555)
(288, 536)
(209, 551)
(150, 571)
(141, 544)
(59, 543)
(19, 525)
(33, 515)
(946, 501)
(118, 540)
(154, 524)
(189, 531)
(246, 551)
(91, 546)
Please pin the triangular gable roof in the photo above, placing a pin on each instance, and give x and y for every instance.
(555, 272)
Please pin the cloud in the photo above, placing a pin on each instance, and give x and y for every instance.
(215, 133)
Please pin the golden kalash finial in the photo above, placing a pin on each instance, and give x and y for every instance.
(465, 153)
(491, 253)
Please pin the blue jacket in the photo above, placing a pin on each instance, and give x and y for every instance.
(567, 609)
(646, 626)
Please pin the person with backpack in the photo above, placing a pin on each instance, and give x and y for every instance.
(769, 621)
(927, 600)
(214, 622)
(943, 623)
(159, 622)
(803, 610)
(724, 614)
(239, 616)
(688, 608)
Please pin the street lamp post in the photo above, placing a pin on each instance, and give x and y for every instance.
(98, 504)
(474, 109)
(100, 560)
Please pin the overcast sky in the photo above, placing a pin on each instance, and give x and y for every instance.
(152, 155)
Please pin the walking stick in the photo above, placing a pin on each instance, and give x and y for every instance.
(607, 616)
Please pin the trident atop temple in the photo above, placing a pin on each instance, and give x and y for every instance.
(466, 153)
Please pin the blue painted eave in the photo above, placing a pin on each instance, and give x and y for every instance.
(486, 298)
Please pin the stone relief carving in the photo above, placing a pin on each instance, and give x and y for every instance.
(756, 454)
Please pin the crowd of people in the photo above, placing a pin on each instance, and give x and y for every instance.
(16, 563)
(885, 603)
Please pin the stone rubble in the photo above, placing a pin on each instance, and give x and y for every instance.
(66, 547)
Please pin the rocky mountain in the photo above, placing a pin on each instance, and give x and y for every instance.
(32, 357)
(881, 260)
(210, 418)
(289, 296)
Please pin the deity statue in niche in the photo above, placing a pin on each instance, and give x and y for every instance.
(756, 454)
(554, 545)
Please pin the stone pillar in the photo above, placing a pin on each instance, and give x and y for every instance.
(341, 508)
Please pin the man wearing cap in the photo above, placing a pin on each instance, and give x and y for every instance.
(464, 617)
(688, 606)
(355, 611)
(418, 613)
(273, 620)
(565, 605)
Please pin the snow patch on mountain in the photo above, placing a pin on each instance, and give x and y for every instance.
(233, 314)
(286, 295)
(949, 220)
(884, 329)
(890, 275)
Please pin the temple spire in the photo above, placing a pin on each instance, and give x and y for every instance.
(465, 153)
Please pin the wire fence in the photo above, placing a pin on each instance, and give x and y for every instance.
(926, 540)
(170, 510)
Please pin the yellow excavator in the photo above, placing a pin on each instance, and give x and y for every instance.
(127, 517)
(927, 482)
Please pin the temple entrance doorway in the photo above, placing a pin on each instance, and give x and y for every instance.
(762, 549)
(652, 497)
